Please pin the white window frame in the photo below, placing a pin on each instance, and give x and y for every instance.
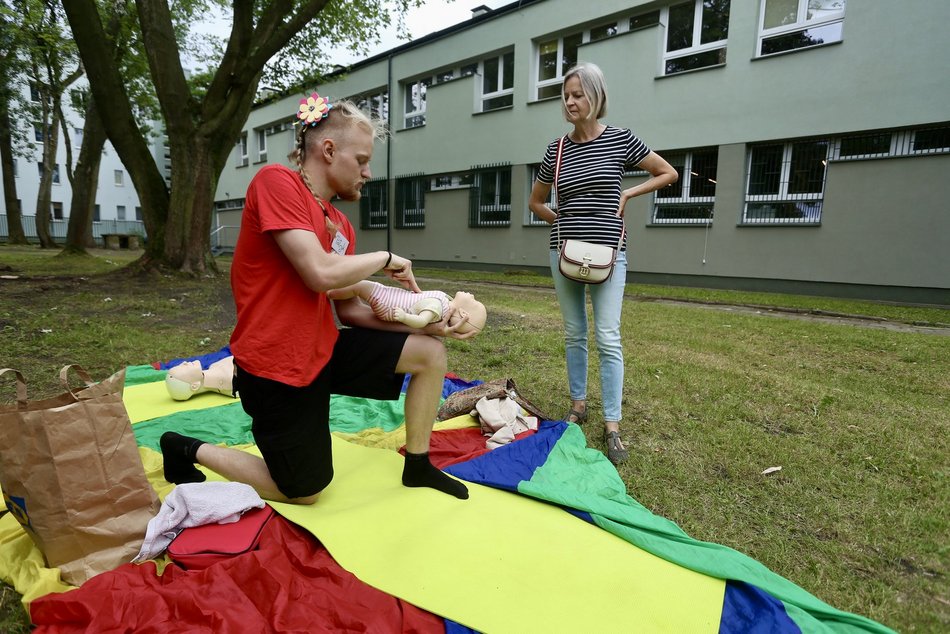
(38, 134)
(530, 219)
(558, 79)
(120, 212)
(56, 180)
(499, 91)
(376, 218)
(802, 23)
(445, 182)
(497, 205)
(415, 118)
(418, 186)
(374, 103)
(119, 178)
(697, 48)
(242, 150)
(685, 198)
(54, 205)
(783, 195)
(261, 134)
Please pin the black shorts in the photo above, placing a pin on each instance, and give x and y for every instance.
(291, 425)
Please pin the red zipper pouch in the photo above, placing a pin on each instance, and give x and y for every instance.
(197, 547)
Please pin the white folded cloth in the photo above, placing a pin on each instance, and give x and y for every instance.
(195, 504)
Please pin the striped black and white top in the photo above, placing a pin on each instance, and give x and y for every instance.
(589, 185)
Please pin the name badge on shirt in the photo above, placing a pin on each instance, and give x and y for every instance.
(340, 243)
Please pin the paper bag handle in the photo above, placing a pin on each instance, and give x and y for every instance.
(20, 387)
(64, 379)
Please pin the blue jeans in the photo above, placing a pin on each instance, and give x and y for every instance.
(607, 300)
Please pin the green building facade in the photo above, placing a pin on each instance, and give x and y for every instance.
(812, 140)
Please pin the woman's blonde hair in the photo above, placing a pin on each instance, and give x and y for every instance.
(593, 85)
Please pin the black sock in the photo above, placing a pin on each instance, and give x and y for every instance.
(179, 454)
(419, 472)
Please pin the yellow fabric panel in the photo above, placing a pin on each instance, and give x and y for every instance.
(497, 562)
(22, 565)
(151, 400)
(376, 437)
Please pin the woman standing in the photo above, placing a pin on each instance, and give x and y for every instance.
(590, 207)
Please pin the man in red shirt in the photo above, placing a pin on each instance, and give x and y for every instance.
(293, 247)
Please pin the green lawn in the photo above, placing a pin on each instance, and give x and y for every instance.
(857, 418)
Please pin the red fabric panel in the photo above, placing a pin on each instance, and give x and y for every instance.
(450, 446)
(291, 584)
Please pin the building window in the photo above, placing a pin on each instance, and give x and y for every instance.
(242, 150)
(38, 135)
(786, 182)
(689, 200)
(261, 145)
(415, 114)
(932, 140)
(138, 213)
(498, 82)
(490, 197)
(16, 169)
(120, 212)
(77, 134)
(119, 176)
(450, 181)
(41, 171)
(644, 20)
(34, 92)
(530, 218)
(787, 25)
(374, 204)
(96, 210)
(374, 104)
(555, 57)
(411, 202)
(57, 211)
(695, 35)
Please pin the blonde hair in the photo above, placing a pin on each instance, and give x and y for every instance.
(343, 117)
(593, 85)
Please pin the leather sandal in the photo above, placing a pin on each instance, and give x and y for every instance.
(615, 451)
(580, 416)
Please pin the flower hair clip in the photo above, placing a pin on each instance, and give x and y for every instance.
(313, 110)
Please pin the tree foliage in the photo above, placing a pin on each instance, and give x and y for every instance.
(204, 109)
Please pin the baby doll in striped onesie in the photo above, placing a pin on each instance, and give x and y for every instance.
(416, 310)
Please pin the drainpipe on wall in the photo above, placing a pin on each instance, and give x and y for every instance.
(389, 151)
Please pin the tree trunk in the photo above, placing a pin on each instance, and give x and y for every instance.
(86, 182)
(12, 205)
(44, 205)
(98, 53)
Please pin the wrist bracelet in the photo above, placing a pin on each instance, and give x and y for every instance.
(388, 260)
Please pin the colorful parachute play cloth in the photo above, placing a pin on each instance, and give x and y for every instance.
(553, 465)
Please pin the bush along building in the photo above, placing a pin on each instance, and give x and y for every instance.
(812, 157)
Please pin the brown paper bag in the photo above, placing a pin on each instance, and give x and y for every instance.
(71, 473)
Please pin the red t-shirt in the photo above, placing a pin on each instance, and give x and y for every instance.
(285, 331)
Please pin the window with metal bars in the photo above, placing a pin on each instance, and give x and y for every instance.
(786, 182)
(490, 196)
(689, 200)
(411, 202)
(530, 219)
(374, 204)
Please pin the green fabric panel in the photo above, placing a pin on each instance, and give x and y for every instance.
(137, 374)
(225, 424)
(351, 414)
(582, 478)
(230, 425)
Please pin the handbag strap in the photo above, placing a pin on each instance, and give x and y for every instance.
(21, 400)
(557, 173)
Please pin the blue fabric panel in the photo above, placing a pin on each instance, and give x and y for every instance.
(749, 610)
(450, 385)
(451, 627)
(206, 359)
(509, 465)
